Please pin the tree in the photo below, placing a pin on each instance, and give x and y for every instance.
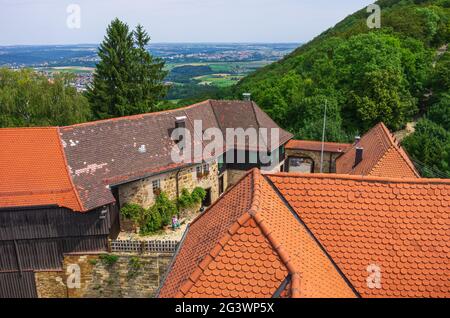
(31, 99)
(127, 80)
(149, 75)
(440, 112)
(430, 146)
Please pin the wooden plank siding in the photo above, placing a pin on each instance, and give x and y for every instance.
(18, 285)
(37, 238)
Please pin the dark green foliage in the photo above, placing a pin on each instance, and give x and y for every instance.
(30, 99)
(440, 81)
(132, 212)
(128, 80)
(152, 223)
(166, 208)
(198, 195)
(109, 259)
(440, 112)
(185, 200)
(159, 215)
(429, 146)
(367, 76)
(189, 200)
(185, 73)
(134, 266)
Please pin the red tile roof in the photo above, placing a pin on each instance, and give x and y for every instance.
(324, 232)
(107, 152)
(382, 157)
(259, 248)
(400, 226)
(33, 169)
(317, 146)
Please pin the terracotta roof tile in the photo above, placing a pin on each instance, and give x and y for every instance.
(382, 156)
(399, 226)
(257, 256)
(317, 146)
(33, 169)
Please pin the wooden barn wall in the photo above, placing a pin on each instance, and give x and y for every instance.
(40, 236)
(50, 222)
(18, 285)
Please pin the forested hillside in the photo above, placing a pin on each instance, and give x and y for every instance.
(392, 74)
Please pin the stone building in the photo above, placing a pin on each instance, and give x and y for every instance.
(62, 187)
(377, 153)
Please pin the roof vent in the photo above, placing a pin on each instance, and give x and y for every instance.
(180, 123)
(359, 155)
(357, 139)
(247, 97)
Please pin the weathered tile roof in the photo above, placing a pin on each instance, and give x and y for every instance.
(116, 151)
(33, 169)
(382, 157)
(324, 232)
(317, 146)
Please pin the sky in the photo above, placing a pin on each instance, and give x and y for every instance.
(34, 22)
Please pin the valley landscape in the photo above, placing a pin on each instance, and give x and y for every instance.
(193, 67)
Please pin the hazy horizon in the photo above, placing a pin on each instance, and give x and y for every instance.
(44, 22)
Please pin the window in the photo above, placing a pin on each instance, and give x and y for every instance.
(156, 185)
(202, 171)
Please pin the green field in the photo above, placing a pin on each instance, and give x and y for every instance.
(218, 80)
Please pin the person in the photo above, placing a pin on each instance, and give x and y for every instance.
(175, 223)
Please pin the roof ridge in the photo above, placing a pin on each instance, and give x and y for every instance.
(28, 128)
(399, 149)
(359, 178)
(66, 166)
(137, 116)
(278, 246)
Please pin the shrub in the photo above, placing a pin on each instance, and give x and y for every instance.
(153, 221)
(166, 209)
(198, 195)
(134, 265)
(188, 200)
(185, 200)
(109, 259)
(132, 212)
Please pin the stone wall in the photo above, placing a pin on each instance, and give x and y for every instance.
(141, 192)
(50, 284)
(131, 276)
(233, 176)
(329, 160)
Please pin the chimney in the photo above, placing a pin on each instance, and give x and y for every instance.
(359, 155)
(357, 139)
(247, 97)
(180, 122)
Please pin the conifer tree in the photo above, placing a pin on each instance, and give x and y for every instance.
(127, 80)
